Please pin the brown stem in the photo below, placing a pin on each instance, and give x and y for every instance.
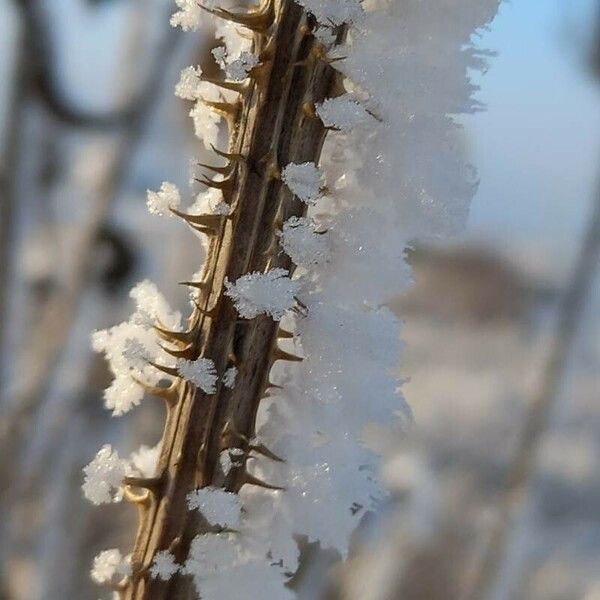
(271, 129)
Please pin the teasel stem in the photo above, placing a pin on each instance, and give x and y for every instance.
(269, 128)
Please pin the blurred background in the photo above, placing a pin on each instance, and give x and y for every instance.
(495, 490)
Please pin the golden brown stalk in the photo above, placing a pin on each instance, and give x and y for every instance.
(270, 127)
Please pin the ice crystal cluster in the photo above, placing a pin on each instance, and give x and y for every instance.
(389, 175)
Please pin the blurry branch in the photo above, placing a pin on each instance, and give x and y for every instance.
(522, 466)
(62, 309)
(40, 66)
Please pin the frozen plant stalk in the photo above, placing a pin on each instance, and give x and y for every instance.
(255, 452)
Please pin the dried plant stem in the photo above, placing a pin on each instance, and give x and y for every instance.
(269, 127)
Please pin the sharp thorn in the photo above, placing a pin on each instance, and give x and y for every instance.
(169, 394)
(279, 354)
(168, 370)
(251, 480)
(235, 86)
(284, 334)
(152, 484)
(210, 221)
(184, 337)
(186, 353)
(262, 449)
(228, 155)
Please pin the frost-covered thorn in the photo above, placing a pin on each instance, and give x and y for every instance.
(264, 451)
(239, 87)
(168, 394)
(284, 334)
(279, 354)
(208, 221)
(183, 337)
(248, 479)
(152, 484)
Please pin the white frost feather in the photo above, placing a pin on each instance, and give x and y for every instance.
(343, 113)
(163, 566)
(108, 564)
(217, 506)
(103, 477)
(158, 203)
(305, 180)
(272, 293)
(201, 373)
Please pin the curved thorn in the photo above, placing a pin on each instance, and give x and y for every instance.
(208, 220)
(251, 480)
(169, 394)
(168, 370)
(199, 285)
(152, 484)
(239, 87)
(168, 335)
(225, 109)
(262, 449)
(284, 334)
(279, 354)
(226, 170)
(186, 353)
(142, 499)
(227, 155)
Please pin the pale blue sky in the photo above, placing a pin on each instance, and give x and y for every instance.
(537, 148)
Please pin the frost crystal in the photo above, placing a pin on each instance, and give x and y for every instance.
(158, 203)
(103, 477)
(163, 566)
(217, 506)
(208, 552)
(206, 124)
(334, 12)
(236, 69)
(229, 377)
(301, 243)
(108, 564)
(189, 15)
(272, 293)
(343, 112)
(131, 344)
(189, 86)
(201, 373)
(304, 180)
(145, 460)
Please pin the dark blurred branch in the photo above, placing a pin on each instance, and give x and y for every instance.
(41, 75)
(60, 313)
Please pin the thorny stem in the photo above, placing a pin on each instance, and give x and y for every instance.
(270, 128)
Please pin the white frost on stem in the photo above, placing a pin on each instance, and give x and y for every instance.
(305, 180)
(108, 564)
(103, 477)
(164, 566)
(201, 373)
(217, 506)
(160, 202)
